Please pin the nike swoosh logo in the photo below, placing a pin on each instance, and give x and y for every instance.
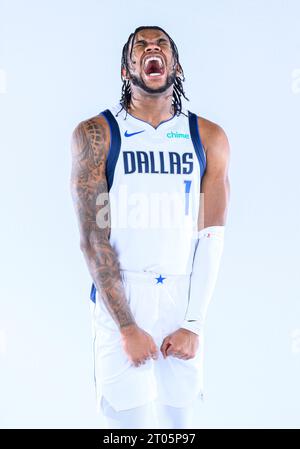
(132, 134)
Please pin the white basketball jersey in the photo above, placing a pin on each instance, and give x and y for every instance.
(154, 177)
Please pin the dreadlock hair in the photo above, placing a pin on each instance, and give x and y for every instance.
(177, 86)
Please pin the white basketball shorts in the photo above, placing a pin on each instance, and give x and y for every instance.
(158, 308)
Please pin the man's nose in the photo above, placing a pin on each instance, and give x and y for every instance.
(152, 47)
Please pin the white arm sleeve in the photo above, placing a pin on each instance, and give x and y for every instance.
(207, 257)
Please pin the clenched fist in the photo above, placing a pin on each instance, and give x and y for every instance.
(182, 344)
(138, 345)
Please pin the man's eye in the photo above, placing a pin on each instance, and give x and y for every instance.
(163, 42)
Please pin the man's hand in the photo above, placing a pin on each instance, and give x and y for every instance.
(138, 345)
(182, 344)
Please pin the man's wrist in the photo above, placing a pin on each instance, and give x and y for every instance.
(128, 329)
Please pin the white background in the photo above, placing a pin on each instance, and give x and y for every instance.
(60, 64)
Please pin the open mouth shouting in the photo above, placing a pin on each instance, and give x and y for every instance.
(154, 66)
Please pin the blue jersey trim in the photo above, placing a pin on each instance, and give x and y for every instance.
(93, 293)
(115, 146)
(196, 139)
(111, 162)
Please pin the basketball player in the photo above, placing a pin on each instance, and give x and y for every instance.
(150, 188)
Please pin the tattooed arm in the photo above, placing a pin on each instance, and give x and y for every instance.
(90, 143)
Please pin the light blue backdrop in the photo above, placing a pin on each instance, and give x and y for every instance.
(60, 64)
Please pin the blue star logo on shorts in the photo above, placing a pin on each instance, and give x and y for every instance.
(160, 279)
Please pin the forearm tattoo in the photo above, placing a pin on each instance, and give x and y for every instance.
(90, 141)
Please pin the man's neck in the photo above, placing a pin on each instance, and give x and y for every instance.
(152, 109)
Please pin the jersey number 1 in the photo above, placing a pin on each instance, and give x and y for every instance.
(187, 198)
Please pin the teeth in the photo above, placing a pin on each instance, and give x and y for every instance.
(154, 74)
(153, 58)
